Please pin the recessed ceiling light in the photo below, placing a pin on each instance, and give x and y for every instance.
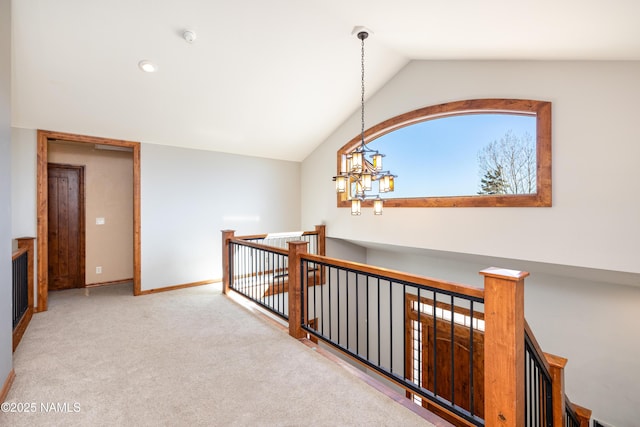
(148, 66)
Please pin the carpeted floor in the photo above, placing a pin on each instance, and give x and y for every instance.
(188, 357)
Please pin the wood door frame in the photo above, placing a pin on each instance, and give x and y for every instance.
(44, 136)
(81, 219)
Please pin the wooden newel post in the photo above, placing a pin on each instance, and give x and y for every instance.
(322, 235)
(322, 248)
(556, 365)
(296, 308)
(226, 259)
(504, 380)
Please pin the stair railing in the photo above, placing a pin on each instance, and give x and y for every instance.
(257, 266)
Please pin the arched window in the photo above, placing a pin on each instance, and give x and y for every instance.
(474, 153)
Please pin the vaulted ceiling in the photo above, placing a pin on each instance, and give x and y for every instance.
(269, 78)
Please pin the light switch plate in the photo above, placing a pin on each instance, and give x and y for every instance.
(99, 221)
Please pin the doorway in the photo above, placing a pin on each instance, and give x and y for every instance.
(66, 228)
(43, 139)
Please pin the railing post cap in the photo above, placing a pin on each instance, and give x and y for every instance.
(503, 273)
(298, 243)
(556, 361)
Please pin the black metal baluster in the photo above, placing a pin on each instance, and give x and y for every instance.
(338, 307)
(315, 292)
(253, 274)
(325, 269)
(367, 309)
(404, 333)
(281, 276)
(419, 333)
(271, 261)
(330, 303)
(357, 316)
(244, 277)
(390, 327)
(379, 362)
(452, 351)
(471, 355)
(435, 345)
(347, 310)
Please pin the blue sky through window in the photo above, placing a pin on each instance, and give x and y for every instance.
(439, 157)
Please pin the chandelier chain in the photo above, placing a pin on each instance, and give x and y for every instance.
(362, 88)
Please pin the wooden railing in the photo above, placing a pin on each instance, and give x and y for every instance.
(257, 266)
(560, 411)
(22, 288)
(323, 290)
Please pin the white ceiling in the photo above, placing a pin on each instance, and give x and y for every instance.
(269, 78)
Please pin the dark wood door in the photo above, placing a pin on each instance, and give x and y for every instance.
(66, 226)
(440, 367)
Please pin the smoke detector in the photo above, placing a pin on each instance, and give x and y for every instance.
(189, 36)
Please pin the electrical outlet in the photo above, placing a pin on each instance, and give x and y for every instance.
(98, 270)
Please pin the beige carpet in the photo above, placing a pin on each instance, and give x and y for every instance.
(187, 357)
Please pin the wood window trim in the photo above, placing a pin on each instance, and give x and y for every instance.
(42, 200)
(540, 109)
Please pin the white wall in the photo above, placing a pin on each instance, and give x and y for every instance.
(6, 346)
(336, 248)
(596, 181)
(23, 182)
(189, 196)
(593, 324)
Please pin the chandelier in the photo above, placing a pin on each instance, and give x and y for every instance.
(358, 174)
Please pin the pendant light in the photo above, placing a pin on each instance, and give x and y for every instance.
(357, 172)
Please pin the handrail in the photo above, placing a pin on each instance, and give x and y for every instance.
(536, 346)
(561, 410)
(264, 235)
(396, 275)
(539, 401)
(18, 252)
(315, 238)
(570, 418)
(247, 244)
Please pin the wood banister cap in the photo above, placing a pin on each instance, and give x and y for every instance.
(556, 361)
(298, 243)
(582, 412)
(503, 273)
